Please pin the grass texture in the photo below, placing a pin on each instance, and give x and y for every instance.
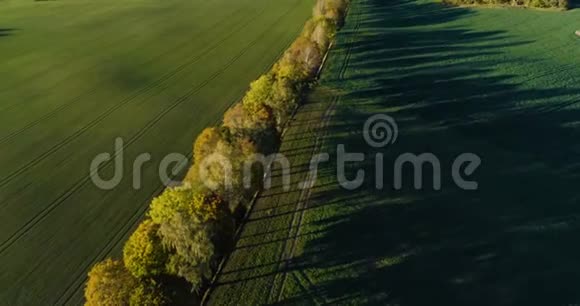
(501, 83)
(78, 74)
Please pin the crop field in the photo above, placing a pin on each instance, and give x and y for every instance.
(503, 84)
(78, 74)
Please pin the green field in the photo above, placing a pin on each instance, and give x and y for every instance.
(78, 74)
(501, 83)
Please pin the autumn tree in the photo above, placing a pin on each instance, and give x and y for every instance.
(278, 93)
(249, 121)
(109, 284)
(143, 253)
(334, 10)
(254, 129)
(300, 62)
(205, 143)
(323, 33)
(189, 219)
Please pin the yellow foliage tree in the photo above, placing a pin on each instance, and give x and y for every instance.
(143, 253)
(205, 143)
(189, 217)
(109, 284)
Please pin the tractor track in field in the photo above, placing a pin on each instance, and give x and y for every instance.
(70, 191)
(4, 181)
(98, 39)
(78, 282)
(136, 217)
(138, 92)
(60, 64)
(302, 205)
(123, 231)
(155, 84)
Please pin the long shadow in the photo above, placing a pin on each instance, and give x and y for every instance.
(6, 32)
(513, 241)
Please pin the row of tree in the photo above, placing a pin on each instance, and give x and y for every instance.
(562, 4)
(188, 228)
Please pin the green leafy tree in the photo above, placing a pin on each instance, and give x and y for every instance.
(143, 254)
(191, 246)
(189, 219)
(176, 200)
(284, 99)
(278, 93)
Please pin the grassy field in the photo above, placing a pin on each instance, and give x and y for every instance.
(501, 83)
(78, 74)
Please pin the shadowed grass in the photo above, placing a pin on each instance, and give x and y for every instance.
(501, 83)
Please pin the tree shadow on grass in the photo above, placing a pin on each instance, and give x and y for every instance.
(512, 241)
(574, 4)
(6, 32)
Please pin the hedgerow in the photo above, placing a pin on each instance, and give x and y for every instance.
(188, 228)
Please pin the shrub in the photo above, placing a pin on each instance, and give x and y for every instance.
(143, 253)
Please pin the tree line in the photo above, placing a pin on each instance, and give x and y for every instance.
(187, 229)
